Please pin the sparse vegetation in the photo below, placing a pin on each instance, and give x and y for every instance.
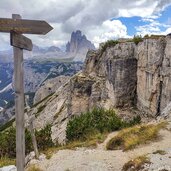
(57, 114)
(153, 36)
(4, 161)
(91, 141)
(44, 139)
(8, 141)
(109, 43)
(33, 168)
(137, 39)
(40, 109)
(36, 104)
(97, 120)
(7, 125)
(161, 152)
(136, 164)
(129, 138)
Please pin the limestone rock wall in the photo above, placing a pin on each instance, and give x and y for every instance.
(123, 75)
(153, 75)
(49, 87)
(118, 66)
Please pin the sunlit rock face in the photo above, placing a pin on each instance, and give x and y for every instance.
(153, 75)
(122, 75)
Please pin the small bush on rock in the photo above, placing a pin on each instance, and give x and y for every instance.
(109, 43)
(137, 39)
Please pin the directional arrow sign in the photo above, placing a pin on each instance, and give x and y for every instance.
(20, 41)
(16, 27)
(24, 26)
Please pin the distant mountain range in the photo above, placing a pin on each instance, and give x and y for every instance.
(41, 64)
(76, 50)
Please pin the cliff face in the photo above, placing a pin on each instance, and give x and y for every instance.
(153, 75)
(49, 87)
(117, 66)
(123, 75)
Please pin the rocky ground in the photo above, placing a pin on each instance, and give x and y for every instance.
(100, 159)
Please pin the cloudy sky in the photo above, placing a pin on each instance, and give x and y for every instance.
(99, 20)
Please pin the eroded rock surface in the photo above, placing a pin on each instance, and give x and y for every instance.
(122, 75)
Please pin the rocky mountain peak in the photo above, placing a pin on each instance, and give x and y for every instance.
(78, 43)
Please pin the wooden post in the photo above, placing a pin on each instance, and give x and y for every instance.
(19, 104)
(33, 138)
(31, 129)
(16, 26)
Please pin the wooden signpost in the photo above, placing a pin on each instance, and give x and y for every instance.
(16, 27)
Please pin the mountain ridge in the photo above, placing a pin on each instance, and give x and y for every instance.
(122, 75)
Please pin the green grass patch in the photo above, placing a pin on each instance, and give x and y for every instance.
(130, 138)
(5, 161)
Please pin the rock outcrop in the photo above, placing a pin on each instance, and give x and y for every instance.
(122, 75)
(154, 75)
(48, 87)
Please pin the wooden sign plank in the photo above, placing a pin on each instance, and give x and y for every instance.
(20, 41)
(24, 26)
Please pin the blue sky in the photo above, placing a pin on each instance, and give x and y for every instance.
(99, 20)
(133, 23)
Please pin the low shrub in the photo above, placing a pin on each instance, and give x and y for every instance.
(33, 168)
(97, 120)
(129, 138)
(161, 152)
(43, 138)
(8, 141)
(109, 43)
(136, 164)
(137, 39)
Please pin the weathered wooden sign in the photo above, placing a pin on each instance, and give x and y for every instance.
(20, 41)
(24, 26)
(16, 27)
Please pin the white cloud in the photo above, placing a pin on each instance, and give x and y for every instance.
(153, 27)
(107, 31)
(89, 16)
(168, 31)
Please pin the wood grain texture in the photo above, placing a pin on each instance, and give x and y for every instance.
(21, 41)
(24, 26)
(19, 107)
(34, 141)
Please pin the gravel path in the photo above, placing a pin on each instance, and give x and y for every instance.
(83, 159)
